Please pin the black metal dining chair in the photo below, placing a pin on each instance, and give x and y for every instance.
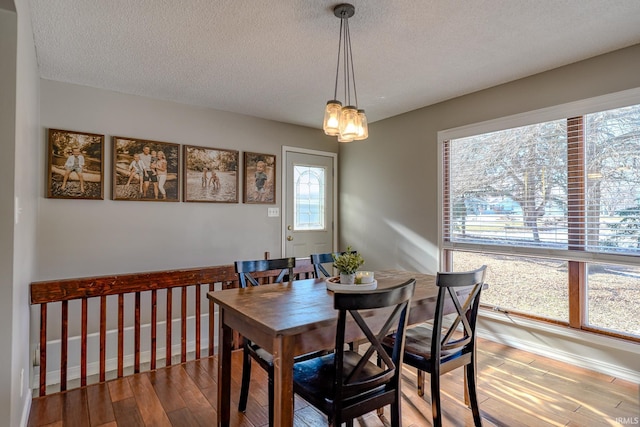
(443, 348)
(345, 384)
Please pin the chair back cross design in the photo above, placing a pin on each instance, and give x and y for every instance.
(319, 259)
(246, 268)
(451, 341)
(353, 382)
(346, 384)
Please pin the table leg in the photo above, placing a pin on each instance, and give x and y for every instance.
(225, 337)
(283, 381)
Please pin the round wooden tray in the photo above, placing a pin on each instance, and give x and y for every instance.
(333, 284)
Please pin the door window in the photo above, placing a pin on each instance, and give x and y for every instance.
(309, 197)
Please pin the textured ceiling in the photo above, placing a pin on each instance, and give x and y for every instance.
(276, 59)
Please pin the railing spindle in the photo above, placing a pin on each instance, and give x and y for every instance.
(83, 345)
(183, 326)
(212, 330)
(103, 337)
(198, 291)
(64, 344)
(136, 335)
(120, 335)
(154, 327)
(43, 349)
(169, 325)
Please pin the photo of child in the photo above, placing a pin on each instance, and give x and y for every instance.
(259, 178)
(75, 165)
(210, 175)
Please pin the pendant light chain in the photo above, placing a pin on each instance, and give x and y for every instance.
(353, 70)
(347, 86)
(335, 90)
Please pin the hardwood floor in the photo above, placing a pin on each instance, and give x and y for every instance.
(516, 388)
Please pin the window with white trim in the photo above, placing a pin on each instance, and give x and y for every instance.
(553, 207)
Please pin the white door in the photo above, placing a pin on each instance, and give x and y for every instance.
(309, 202)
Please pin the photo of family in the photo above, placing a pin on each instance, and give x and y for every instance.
(259, 178)
(210, 175)
(75, 165)
(145, 170)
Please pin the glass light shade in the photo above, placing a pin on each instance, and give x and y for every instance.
(341, 139)
(331, 123)
(349, 122)
(363, 130)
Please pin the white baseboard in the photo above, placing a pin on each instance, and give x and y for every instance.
(111, 362)
(26, 409)
(611, 356)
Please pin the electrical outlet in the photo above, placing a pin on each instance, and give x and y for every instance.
(273, 212)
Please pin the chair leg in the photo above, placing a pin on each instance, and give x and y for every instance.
(271, 398)
(473, 396)
(396, 414)
(435, 399)
(246, 378)
(420, 383)
(379, 411)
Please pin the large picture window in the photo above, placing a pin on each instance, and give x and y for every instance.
(552, 206)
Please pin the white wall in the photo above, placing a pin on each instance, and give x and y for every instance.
(388, 192)
(78, 238)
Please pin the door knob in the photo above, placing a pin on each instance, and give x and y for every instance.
(289, 238)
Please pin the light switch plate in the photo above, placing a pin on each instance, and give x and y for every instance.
(18, 210)
(273, 212)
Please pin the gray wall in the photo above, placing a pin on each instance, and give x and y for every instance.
(88, 238)
(8, 47)
(388, 185)
(80, 238)
(19, 136)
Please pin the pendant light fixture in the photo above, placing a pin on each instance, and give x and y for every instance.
(347, 122)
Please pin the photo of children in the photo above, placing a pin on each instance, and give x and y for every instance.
(259, 178)
(210, 175)
(145, 170)
(75, 165)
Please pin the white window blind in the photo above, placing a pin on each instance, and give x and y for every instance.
(612, 145)
(571, 183)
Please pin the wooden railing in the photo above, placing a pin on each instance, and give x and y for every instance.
(86, 289)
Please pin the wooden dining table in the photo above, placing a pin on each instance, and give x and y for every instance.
(291, 319)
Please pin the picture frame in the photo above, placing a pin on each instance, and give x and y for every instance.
(259, 178)
(75, 165)
(210, 174)
(156, 179)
